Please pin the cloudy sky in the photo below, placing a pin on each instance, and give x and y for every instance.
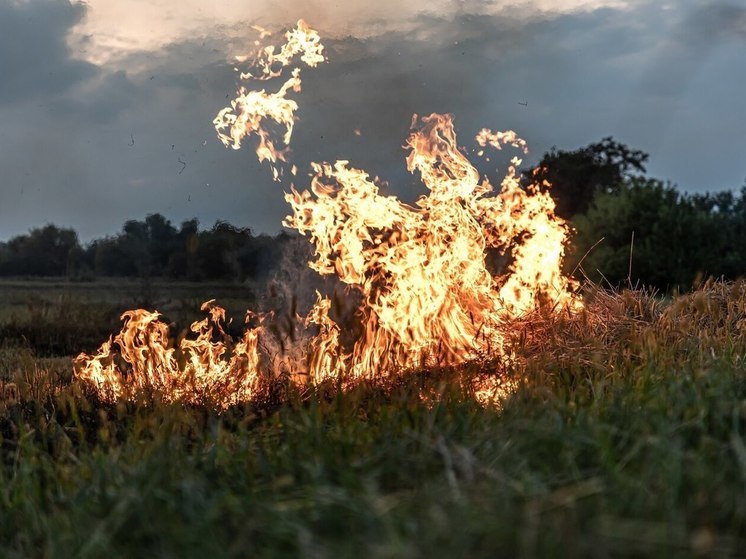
(107, 106)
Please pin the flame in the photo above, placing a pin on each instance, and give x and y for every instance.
(492, 390)
(427, 295)
(250, 109)
(9, 395)
(201, 370)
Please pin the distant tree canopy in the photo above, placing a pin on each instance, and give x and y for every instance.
(149, 248)
(577, 176)
(46, 251)
(602, 190)
(678, 238)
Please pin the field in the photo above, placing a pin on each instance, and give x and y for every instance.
(624, 437)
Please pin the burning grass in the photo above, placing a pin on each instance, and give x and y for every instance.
(426, 296)
(623, 435)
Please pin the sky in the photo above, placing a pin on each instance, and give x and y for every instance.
(107, 105)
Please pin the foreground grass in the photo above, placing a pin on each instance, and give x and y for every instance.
(625, 437)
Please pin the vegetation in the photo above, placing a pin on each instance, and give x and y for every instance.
(577, 176)
(152, 248)
(59, 318)
(649, 232)
(632, 229)
(625, 437)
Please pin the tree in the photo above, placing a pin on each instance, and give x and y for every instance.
(677, 238)
(110, 259)
(162, 243)
(181, 261)
(218, 251)
(44, 251)
(576, 176)
(143, 248)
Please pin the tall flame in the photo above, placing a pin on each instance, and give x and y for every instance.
(427, 294)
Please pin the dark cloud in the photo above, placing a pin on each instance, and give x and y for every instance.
(477, 67)
(686, 88)
(35, 60)
(99, 100)
(687, 39)
(107, 144)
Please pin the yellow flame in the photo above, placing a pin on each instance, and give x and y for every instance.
(202, 370)
(249, 112)
(491, 391)
(428, 296)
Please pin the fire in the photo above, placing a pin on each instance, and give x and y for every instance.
(428, 296)
(9, 395)
(421, 271)
(200, 370)
(250, 109)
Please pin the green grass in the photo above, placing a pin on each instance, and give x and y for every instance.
(626, 437)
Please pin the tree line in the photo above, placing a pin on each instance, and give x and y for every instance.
(627, 227)
(153, 247)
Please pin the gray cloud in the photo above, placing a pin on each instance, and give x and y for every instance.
(99, 100)
(34, 58)
(713, 22)
(687, 96)
(479, 68)
(585, 75)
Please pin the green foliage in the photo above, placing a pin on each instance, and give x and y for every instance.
(46, 251)
(152, 248)
(672, 239)
(577, 176)
(678, 239)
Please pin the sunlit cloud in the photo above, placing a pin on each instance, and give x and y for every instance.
(114, 29)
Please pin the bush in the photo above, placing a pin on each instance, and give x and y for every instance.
(678, 239)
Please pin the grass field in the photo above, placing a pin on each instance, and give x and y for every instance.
(625, 437)
(58, 317)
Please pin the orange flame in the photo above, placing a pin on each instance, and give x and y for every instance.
(200, 371)
(250, 109)
(427, 294)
